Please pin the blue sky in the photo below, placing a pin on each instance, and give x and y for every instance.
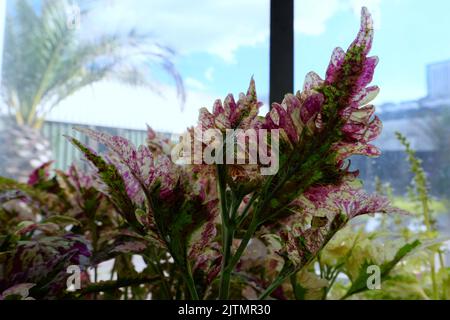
(409, 35)
(221, 44)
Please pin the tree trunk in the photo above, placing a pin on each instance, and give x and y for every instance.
(22, 149)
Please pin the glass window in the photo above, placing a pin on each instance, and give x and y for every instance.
(413, 74)
(187, 56)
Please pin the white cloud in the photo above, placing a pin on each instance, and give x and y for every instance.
(374, 7)
(209, 74)
(115, 105)
(311, 16)
(217, 27)
(194, 84)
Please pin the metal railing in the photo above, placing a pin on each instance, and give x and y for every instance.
(65, 153)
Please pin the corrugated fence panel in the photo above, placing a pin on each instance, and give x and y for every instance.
(65, 154)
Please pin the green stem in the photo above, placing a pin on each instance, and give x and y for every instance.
(95, 279)
(94, 233)
(295, 288)
(152, 259)
(287, 271)
(227, 233)
(222, 185)
(345, 296)
(234, 208)
(225, 278)
(244, 242)
(278, 282)
(331, 283)
(104, 286)
(189, 280)
(244, 213)
(157, 269)
(289, 268)
(226, 272)
(426, 215)
(229, 266)
(445, 279)
(433, 278)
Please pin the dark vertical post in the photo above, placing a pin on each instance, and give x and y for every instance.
(281, 49)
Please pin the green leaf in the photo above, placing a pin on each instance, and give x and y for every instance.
(11, 189)
(63, 220)
(140, 215)
(360, 283)
(113, 180)
(23, 225)
(177, 219)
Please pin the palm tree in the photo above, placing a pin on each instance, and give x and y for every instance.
(46, 60)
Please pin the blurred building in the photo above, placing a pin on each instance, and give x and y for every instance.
(438, 80)
(425, 124)
(421, 122)
(413, 118)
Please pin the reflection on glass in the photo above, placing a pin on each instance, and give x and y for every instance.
(119, 66)
(414, 76)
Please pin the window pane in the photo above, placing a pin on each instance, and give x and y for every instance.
(214, 48)
(413, 74)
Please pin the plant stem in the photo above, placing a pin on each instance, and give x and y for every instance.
(272, 288)
(156, 266)
(295, 287)
(433, 277)
(225, 278)
(426, 215)
(244, 242)
(229, 267)
(420, 180)
(227, 232)
(104, 286)
(445, 278)
(287, 271)
(244, 213)
(189, 280)
(334, 276)
(222, 185)
(165, 287)
(345, 296)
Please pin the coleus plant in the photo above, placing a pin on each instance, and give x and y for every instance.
(198, 222)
